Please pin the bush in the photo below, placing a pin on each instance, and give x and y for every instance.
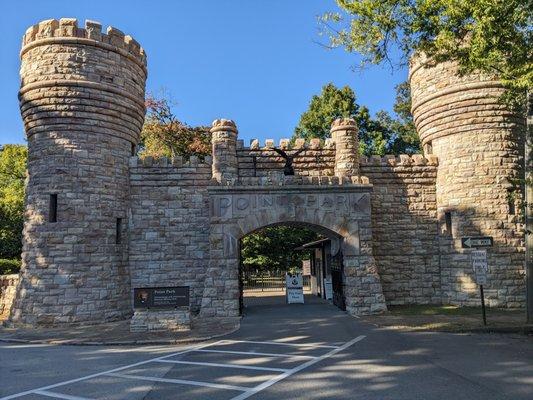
(9, 266)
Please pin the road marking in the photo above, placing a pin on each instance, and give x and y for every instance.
(252, 353)
(56, 395)
(84, 378)
(181, 381)
(300, 367)
(283, 344)
(208, 364)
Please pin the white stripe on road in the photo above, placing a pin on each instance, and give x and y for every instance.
(84, 378)
(283, 344)
(180, 381)
(300, 367)
(208, 364)
(56, 395)
(253, 353)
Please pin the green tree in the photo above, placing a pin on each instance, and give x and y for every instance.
(494, 36)
(164, 135)
(404, 138)
(272, 248)
(13, 160)
(382, 135)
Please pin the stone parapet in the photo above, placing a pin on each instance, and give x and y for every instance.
(66, 30)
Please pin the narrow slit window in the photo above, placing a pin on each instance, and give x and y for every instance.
(52, 214)
(511, 202)
(428, 148)
(133, 149)
(118, 231)
(448, 222)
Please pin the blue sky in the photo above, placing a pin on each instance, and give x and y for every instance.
(253, 61)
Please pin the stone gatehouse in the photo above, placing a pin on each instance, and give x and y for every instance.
(100, 221)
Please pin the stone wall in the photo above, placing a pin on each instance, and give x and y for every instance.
(169, 224)
(404, 227)
(479, 143)
(8, 288)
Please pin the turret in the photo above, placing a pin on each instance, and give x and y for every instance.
(224, 150)
(82, 102)
(344, 134)
(479, 142)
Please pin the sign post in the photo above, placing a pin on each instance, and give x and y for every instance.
(295, 288)
(480, 267)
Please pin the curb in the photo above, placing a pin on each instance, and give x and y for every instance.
(67, 342)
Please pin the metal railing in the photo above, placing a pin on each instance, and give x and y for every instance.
(269, 282)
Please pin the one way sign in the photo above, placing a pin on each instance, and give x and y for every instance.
(476, 241)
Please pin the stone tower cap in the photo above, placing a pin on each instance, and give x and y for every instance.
(66, 30)
(223, 125)
(343, 123)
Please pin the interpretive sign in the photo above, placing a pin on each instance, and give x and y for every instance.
(295, 288)
(161, 297)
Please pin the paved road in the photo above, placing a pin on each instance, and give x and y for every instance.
(311, 351)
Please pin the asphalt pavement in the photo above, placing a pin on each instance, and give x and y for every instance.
(309, 351)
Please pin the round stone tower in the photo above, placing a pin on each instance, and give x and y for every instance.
(82, 102)
(479, 144)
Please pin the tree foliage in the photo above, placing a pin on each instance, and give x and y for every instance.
(13, 160)
(381, 135)
(164, 135)
(272, 248)
(481, 35)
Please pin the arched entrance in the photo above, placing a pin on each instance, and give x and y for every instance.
(266, 255)
(340, 211)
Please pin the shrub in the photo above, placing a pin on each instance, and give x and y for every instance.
(9, 266)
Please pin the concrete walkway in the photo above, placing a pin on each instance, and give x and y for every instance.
(309, 351)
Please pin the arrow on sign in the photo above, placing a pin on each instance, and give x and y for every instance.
(481, 241)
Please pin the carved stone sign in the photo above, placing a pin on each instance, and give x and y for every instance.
(161, 297)
(238, 204)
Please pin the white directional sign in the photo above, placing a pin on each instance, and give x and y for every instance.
(480, 266)
(477, 241)
(295, 288)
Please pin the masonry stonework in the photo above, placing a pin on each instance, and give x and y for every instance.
(479, 145)
(124, 222)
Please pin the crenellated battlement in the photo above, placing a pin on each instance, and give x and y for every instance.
(177, 161)
(66, 30)
(278, 179)
(287, 144)
(402, 159)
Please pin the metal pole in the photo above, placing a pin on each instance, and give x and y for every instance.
(528, 207)
(483, 305)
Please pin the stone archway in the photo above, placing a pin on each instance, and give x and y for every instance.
(236, 211)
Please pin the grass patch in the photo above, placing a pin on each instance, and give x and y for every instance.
(445, 310)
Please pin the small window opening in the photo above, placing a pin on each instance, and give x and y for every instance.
(448, 222)
(52, 214)
(133, 148)
(428, 148)
(118, 231)
(511, 201)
